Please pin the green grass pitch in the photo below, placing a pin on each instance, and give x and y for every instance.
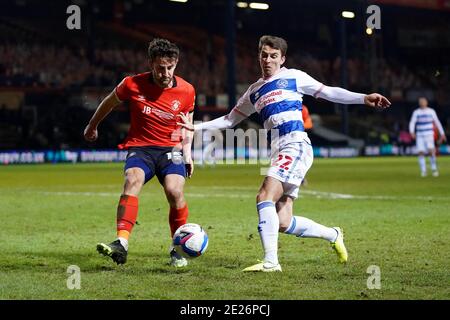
(53, 216)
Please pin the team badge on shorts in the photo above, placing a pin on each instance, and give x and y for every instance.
(175, 156)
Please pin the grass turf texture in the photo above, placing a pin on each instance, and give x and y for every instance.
(53, 216)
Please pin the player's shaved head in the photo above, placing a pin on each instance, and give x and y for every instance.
(162, 48)
(273, 42)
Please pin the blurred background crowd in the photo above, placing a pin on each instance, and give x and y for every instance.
(52, 78)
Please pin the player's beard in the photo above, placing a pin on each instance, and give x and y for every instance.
(165, 82)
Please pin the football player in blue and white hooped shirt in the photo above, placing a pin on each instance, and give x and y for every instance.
(277, 97)
(421, 127)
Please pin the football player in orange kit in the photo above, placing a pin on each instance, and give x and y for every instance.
(307, 121)
(308, 125)
(155, 142)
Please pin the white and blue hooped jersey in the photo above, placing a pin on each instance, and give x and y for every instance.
(422, 122)
(279, 102)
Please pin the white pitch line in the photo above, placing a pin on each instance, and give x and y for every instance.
(221, 195)
(333, 195)
(312, 193)
(112, 194)
(89, 194)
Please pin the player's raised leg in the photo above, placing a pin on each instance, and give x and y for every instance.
(127, 211)
(307, 228)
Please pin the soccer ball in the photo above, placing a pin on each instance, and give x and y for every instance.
(190, 240)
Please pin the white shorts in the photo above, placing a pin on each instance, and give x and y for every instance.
(290, 165)
(424, 143)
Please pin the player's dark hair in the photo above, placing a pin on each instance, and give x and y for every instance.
(273, 42)
(162, 48)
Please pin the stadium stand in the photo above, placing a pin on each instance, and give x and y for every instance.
(56, 75)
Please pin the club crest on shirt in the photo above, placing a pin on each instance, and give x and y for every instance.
(175, 105)
(282, 83)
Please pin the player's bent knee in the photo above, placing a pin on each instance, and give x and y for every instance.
(134, 181)
(261, 196)
(134, 178)
(174, 194)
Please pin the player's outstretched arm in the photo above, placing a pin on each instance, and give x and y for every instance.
(224, 122)
(103, 109)
(344, 96)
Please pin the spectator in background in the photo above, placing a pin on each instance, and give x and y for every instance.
(307, 120)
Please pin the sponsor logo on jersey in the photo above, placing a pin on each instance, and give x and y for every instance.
(161, 114)
(268, 99)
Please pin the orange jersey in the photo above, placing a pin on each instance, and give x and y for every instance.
(307, 121)
(154, 111)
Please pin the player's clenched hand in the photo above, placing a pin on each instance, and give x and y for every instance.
(186, 122)
(90, 133)
(376, 100)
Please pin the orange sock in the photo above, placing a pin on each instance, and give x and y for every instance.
(177, 217)
(123, 234)
(126, 215)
